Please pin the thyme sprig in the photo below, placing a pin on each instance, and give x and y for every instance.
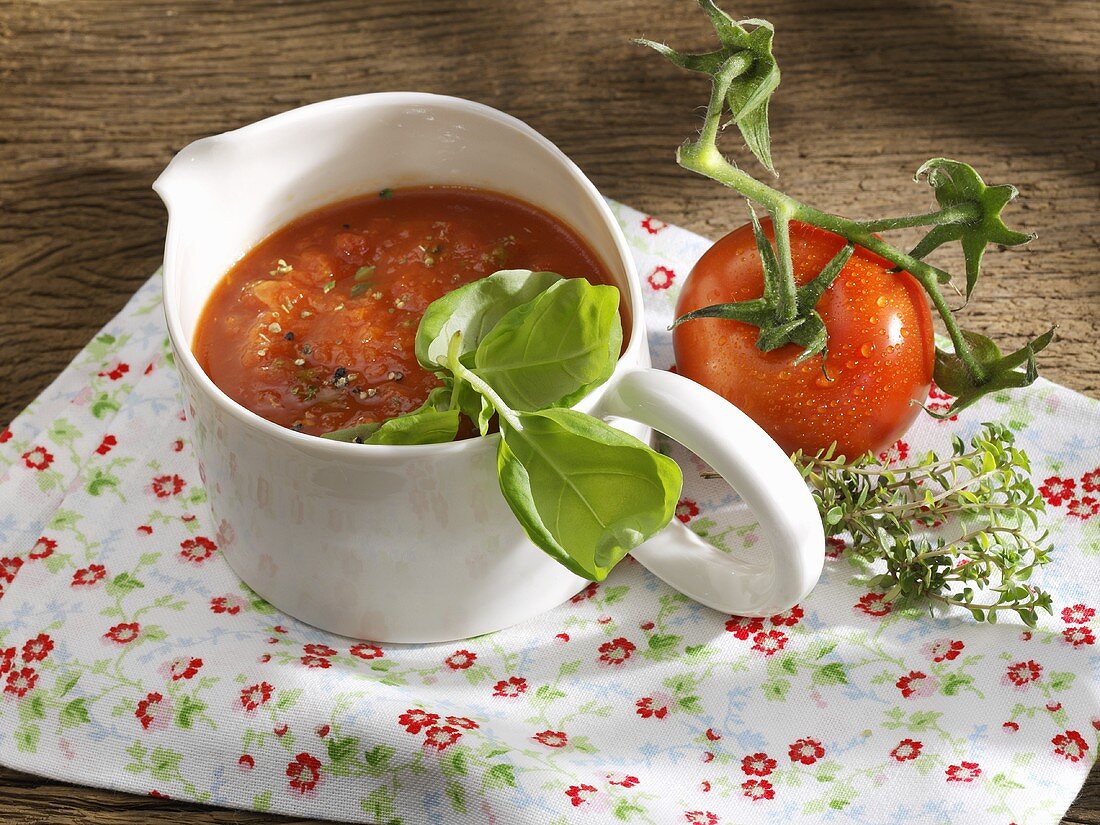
(981, 496)
(744, 76)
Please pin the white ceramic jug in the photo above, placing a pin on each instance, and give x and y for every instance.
(416, 543)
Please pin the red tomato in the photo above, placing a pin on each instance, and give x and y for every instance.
(880, 356)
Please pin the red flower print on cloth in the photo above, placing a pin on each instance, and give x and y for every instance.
(807, 751)
(834, 547)
(322, 731)
(441, 737)
(874, 604)
(906, 750)
(1010, 726)
(253, 696)
(43, 548)
(9, 567)
(1070, 745)
(701, 818)
(1090, 481)
(964, 772)
(686, 510)
(1055, 490)
(552, 738)
(150, 711)
(758, 789)
(1083, 508)
(895, 453)
(197, 550)
(318, 650)
(6, 435)
(1077, 614)
(940, 402)
(184, 668)
(116, 372)
(38, 648)
(1022, 674)
(744, 626)
(106, 444)
(648, 708)
(366, 651)
(1054, 707)
(579, 794)
(943, 650)
(623, 780)
(653, 225)
(89, 575)
(415, 720)
(7, 659)
(758, 764)
(247, 762)
(917, 684)
(167, 486)
(460, 660)
(588, 592)
(38, 458)
(661, 277)
(511, 687)
(788, 618)
(616, 651)
(230, 604)
(1077, 636)
(321, 662)
(769, 642)
(20, 681)
(304, 773)
(123, 633)
(462, 722)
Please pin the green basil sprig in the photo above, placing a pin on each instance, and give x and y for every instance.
(525, 347)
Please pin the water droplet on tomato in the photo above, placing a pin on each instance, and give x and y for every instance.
(867, 349)
(822, 381)
(881, 300)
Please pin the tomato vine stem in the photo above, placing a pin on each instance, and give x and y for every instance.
(703, 157)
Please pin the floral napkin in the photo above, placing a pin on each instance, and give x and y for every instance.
(131, 657)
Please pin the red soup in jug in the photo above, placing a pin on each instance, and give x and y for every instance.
(314, 328)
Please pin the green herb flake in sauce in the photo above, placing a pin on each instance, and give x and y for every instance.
(386, 193)
(331, 285)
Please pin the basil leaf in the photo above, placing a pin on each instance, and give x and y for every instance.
(433, 423)
(473, 404)
(584, 492)
(473, 310)
(554, 349)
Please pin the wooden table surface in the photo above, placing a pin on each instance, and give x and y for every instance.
(97, 95)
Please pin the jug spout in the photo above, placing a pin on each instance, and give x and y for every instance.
(197, 168)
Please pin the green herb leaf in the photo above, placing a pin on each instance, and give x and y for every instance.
(474, 310)
(553, 350)
(982, 498)
(584, 492)
(433, 423)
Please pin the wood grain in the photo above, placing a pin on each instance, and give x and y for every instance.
(96, 96)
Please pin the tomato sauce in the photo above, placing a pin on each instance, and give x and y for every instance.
(314, 328)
